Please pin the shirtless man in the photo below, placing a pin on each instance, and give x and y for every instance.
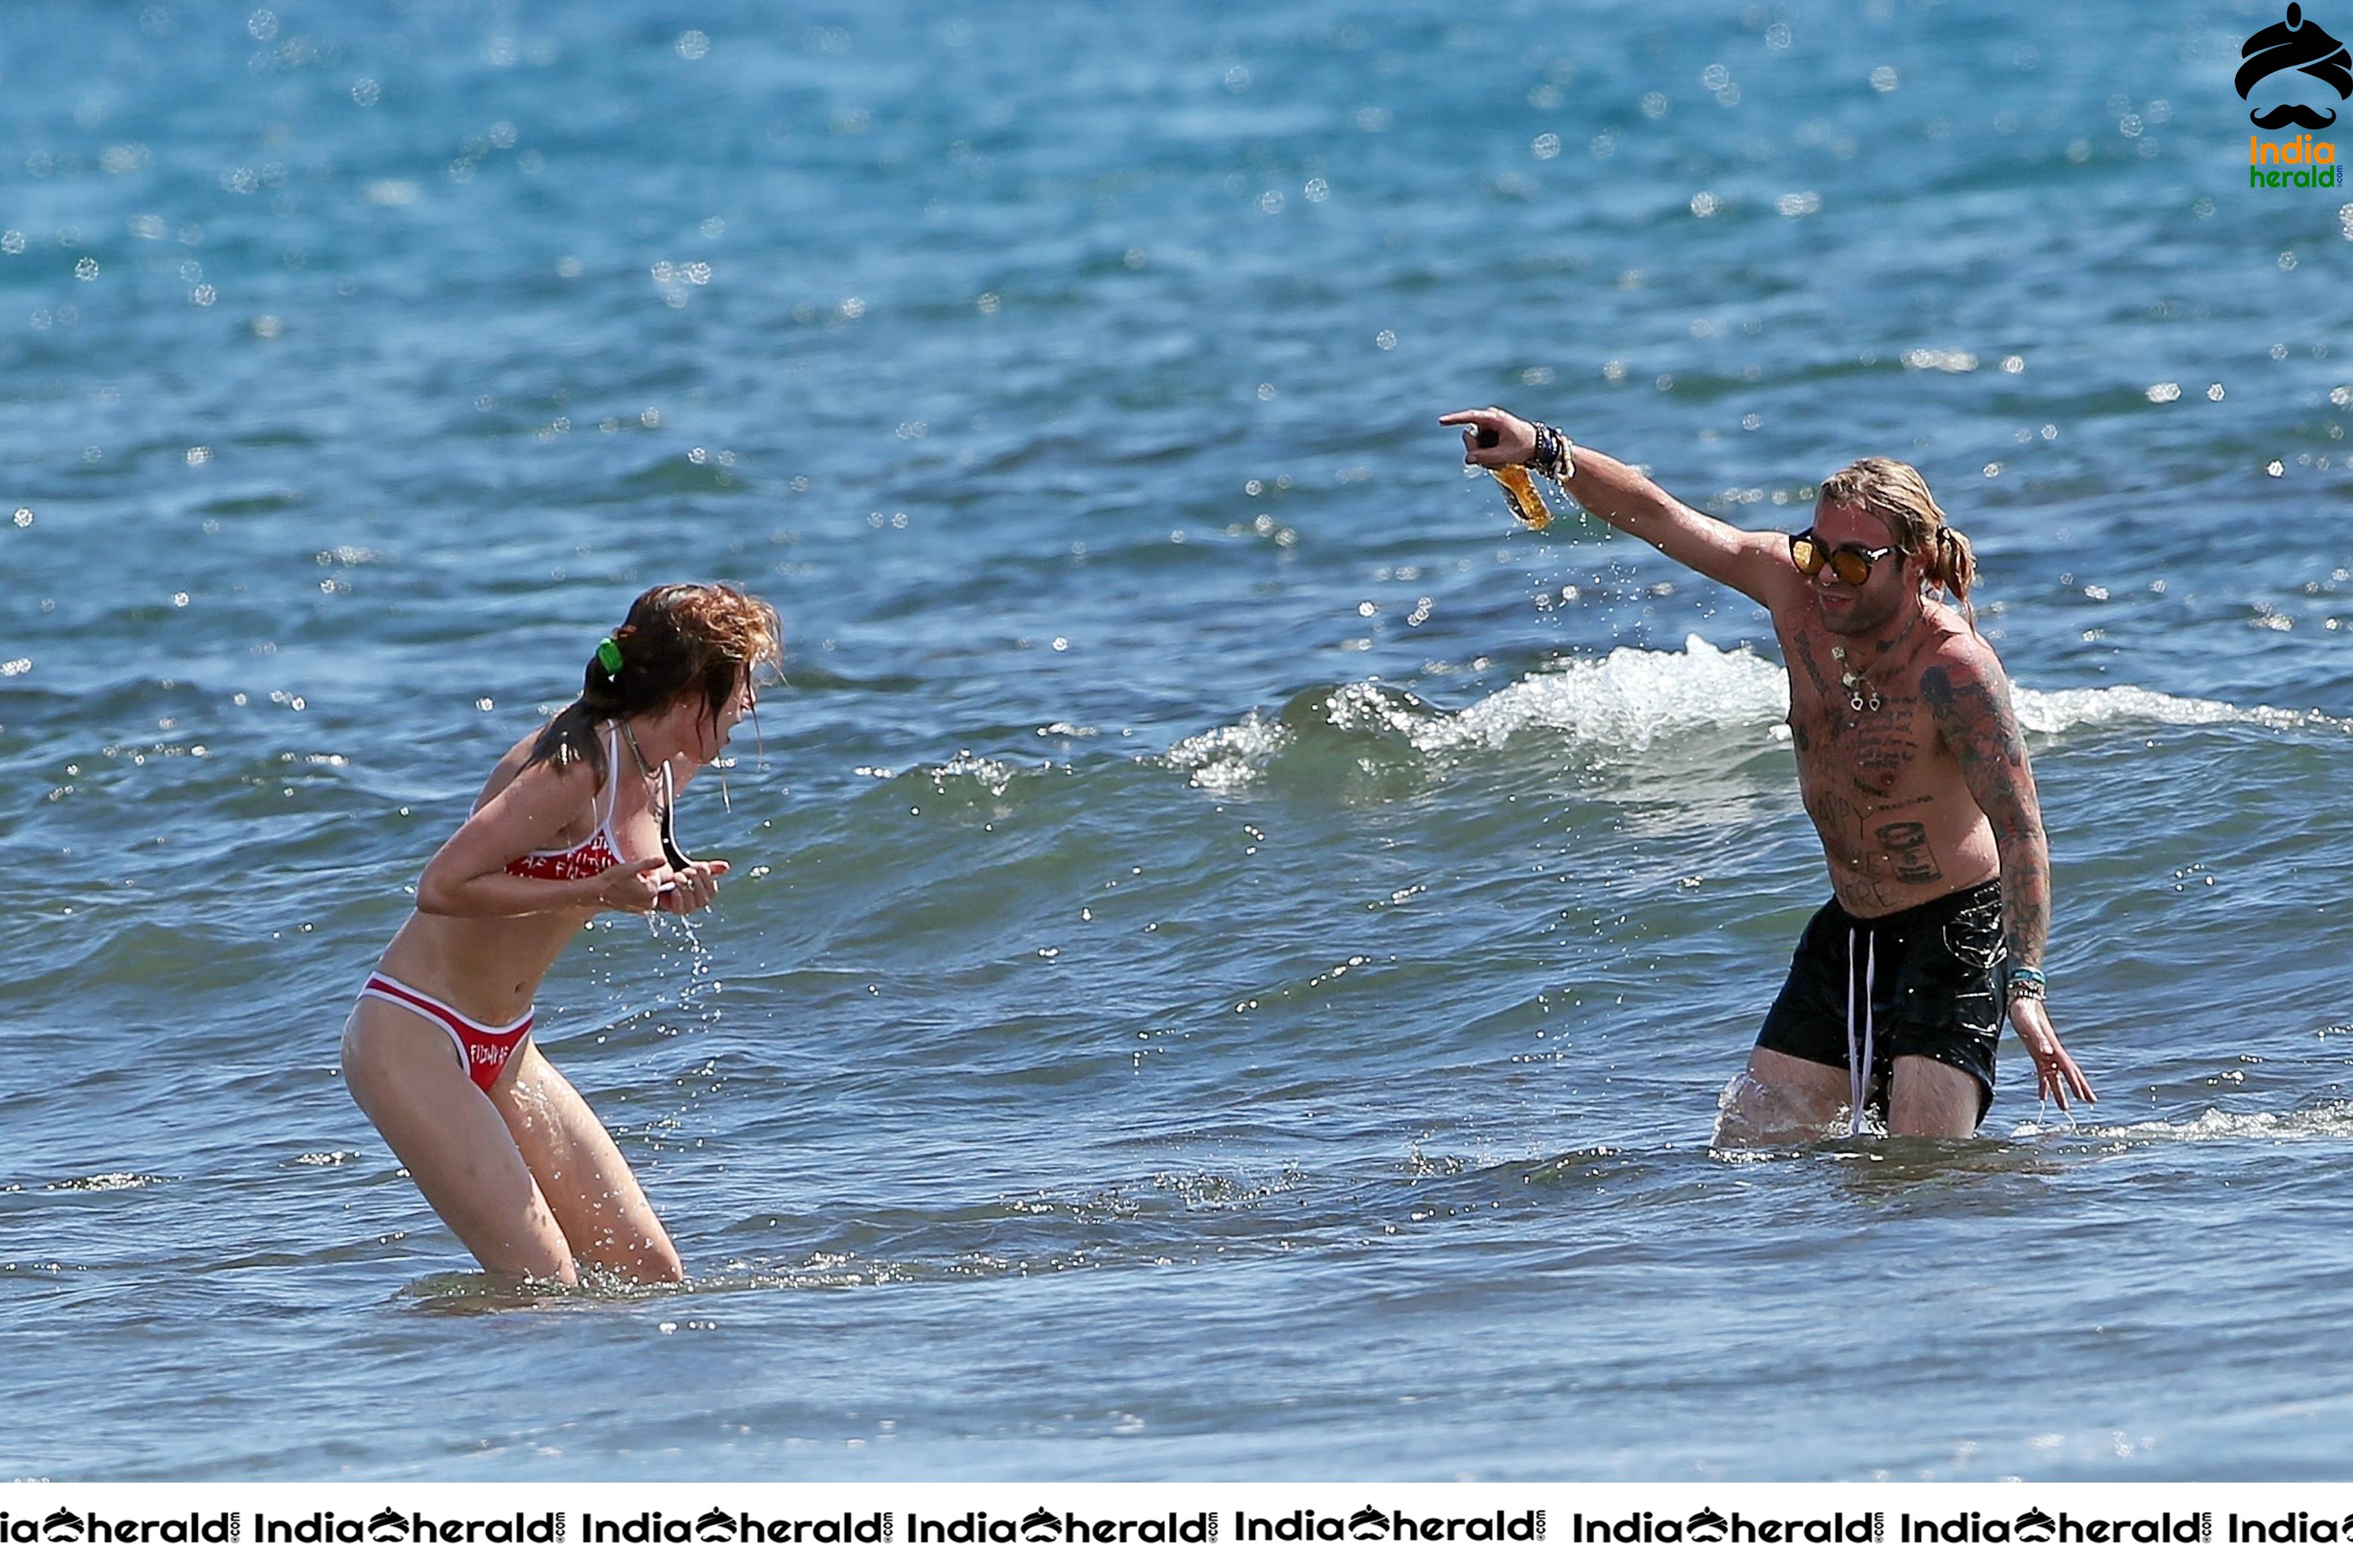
(1911, 766)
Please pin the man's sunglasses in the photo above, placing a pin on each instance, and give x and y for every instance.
(1852, 563)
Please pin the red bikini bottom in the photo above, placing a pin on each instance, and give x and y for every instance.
(482, 1051)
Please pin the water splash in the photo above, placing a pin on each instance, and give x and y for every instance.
(989, 772)
(2322, 1122)
(110, 1181)
(1229, 756)
(2054, 712)
(1633, 700)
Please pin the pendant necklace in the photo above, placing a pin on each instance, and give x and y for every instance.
(1860, 692)
(638, 756)
(656, 781)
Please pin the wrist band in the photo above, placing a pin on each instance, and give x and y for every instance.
(1552, 456)
(2028, 981)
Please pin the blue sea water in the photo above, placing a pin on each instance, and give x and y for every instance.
(1234, 949)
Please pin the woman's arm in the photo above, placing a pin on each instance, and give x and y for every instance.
(468, 877)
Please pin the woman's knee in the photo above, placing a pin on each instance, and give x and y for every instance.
(663, 1265)
(641, 1260)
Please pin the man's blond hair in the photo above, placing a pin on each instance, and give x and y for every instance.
(1897, 496)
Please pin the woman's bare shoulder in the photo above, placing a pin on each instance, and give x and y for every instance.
(558, 777)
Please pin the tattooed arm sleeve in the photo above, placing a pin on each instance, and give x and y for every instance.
(1969, 697)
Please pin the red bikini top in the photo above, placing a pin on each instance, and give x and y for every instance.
(597, 853)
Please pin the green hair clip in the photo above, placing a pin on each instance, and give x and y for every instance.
(608, 656)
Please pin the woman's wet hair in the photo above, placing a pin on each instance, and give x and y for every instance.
(1897, 495)
(680, 640)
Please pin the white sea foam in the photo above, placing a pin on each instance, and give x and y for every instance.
(1634, 698)
(987, 771)
(2331, 1121)
(2051, 713)
(1629, 700)
(1230, 755)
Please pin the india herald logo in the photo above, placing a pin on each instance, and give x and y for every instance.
(2296, 45)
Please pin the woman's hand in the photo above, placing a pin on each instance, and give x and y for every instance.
(693, 887)
(1493, 439)
(633, 885)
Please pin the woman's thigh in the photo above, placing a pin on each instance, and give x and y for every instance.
(580, 1171)
(403, 1071)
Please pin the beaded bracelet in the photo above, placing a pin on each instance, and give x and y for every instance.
(2028, 981)
(1552, 457)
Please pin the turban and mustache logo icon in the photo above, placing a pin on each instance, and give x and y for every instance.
(2294, 45)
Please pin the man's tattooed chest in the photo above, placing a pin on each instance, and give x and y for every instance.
(1869, 752)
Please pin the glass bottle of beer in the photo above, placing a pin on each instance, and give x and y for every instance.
(1520, 493)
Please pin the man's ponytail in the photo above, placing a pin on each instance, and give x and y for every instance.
(1952, 564)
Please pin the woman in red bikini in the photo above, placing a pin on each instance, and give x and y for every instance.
(576, 818)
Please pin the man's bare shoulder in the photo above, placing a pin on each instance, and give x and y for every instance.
(1966, 693)
(1779, 587)
(1958, 657)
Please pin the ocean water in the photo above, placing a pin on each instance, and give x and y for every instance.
(1234, 950)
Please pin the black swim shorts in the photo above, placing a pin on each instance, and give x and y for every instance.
(1940, 972)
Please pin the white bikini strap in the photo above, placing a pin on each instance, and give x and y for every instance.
(1858, 1054)
(612, 777)
(385, 988)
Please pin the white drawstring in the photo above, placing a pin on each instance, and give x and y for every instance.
(1858, 1056)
